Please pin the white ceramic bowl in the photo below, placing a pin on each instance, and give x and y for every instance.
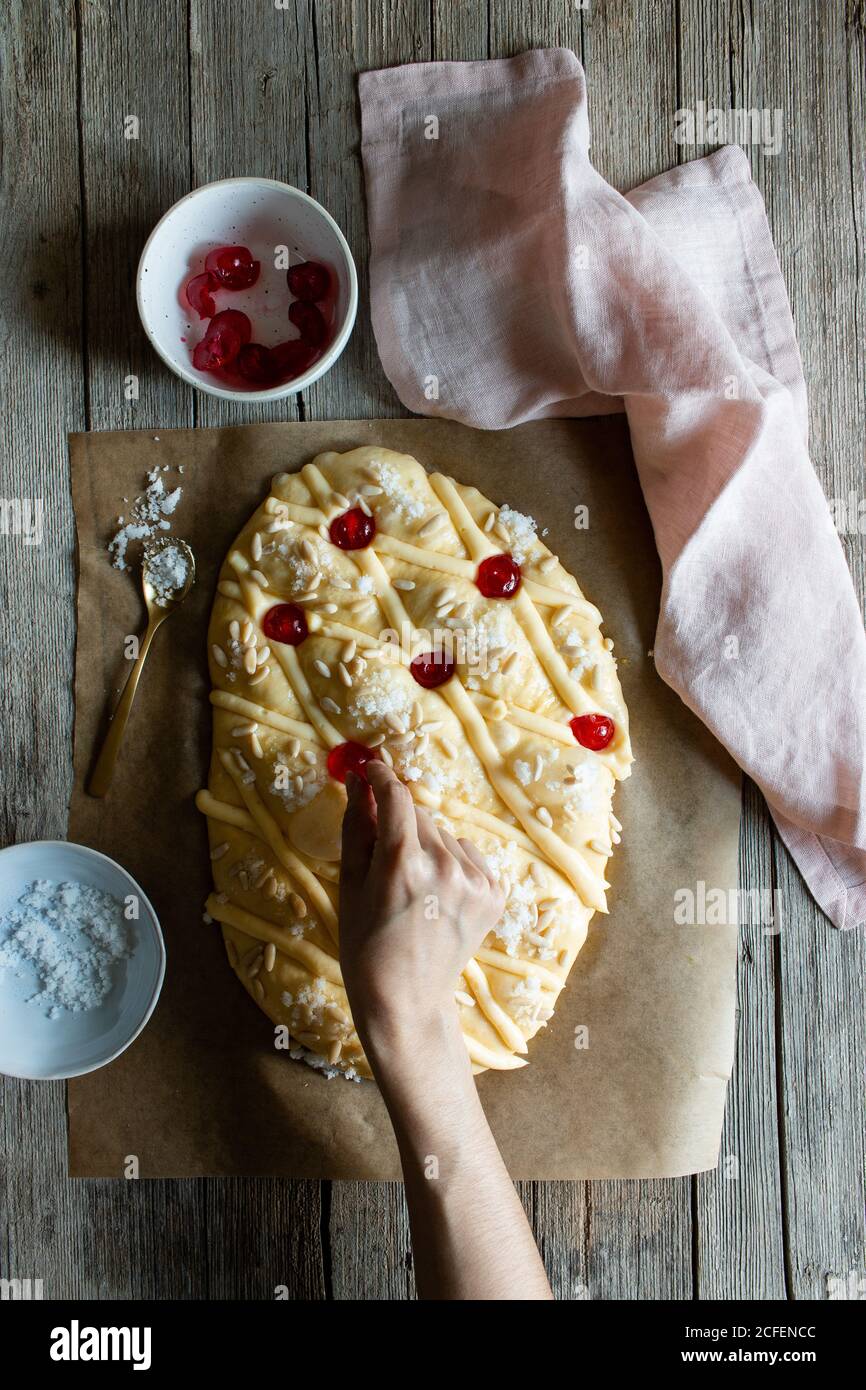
(39, 1048)
(261, 214)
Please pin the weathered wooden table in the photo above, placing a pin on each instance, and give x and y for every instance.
(223, 87)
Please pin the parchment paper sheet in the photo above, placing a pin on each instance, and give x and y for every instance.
(203, 1091)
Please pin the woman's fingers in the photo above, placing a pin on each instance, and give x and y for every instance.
(468, 856)
(395, 810)
(428, 831)
(474, 853)
(359, 830)
(454, 847)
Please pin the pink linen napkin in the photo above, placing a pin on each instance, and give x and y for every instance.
(510, 282)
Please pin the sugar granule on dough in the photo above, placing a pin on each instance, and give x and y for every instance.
(400, 497)
(379, 696)
(72, 936)
(517, 917)
(522, 531)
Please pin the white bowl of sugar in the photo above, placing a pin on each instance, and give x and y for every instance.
(82, 960)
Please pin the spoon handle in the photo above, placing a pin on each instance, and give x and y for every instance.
(103, 772)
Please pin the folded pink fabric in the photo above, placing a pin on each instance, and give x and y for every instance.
(507, 269)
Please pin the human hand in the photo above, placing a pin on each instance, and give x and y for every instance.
(415, 905)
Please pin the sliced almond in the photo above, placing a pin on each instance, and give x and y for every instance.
(430, 525)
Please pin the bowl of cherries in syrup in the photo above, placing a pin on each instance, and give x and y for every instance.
(247, 289)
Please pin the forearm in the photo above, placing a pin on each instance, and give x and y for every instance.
(469, 1231)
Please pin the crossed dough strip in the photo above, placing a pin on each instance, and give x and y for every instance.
(490, 752)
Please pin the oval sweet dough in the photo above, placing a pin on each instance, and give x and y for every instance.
(490, 752)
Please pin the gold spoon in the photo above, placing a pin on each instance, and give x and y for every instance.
(158, 609)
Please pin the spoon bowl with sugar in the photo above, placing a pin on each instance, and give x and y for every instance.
(167, 575)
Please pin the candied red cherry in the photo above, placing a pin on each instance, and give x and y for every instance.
(232, 321)
(286, 623)
(352, 530)
(309, 281)
(226, 334)
(233, 267)
(199, 293)
(593, 731)
(292, 357)
(498, 576)
(432, 669)
(215, 352)
(256, 364)
(309, 322)
(350, 757)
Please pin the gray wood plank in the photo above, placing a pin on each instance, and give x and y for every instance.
(631, 49)
(346, 40)
(738, 1208)
(739, 1236)
(742, 57)
(822, 1042)
(40, 307)
(459, 33)
(514, 27)
(248, 116)
(133, 65)
(558, 1213)
(639, 1236)
(813, 69)
(371, 1252)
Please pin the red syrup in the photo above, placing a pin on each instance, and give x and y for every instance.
(350, 757)
(498, 577)
(593, 731)
(352, 530)
(286, 623)
(432, 669)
